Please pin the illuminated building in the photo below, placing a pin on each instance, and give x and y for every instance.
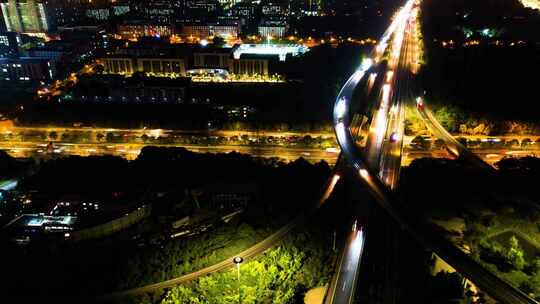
(244, 10)
(2, 22)
(203, 31)
(155, 65)
(69, 12)
(162, 11)
(9, 44)
(249, 65)
(27, 16)
(273, 8)
(134, 89)
(201, 7)
(212, 58)
(274, 27)
(281, 50)
(98, 13)
(25, 69)
(120, 9)
(83, 37)
(201, 63)
(55, 51)
(228, 3)
(143, 28)
(118, 65)
(161, 66)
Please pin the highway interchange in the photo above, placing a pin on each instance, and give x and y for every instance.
(380, 175)
(377, 165)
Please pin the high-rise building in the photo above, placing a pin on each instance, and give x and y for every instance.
(273, 27)
(25, 69)
(202, 8)
(2, 22)
(161, 11)
(274, 8)
(25, 16)
(9, 44)
(98, 13)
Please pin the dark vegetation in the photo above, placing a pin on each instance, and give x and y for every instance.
(10, 167)
(457, 187)
(499, 211)
(492, 81)
(145, 253)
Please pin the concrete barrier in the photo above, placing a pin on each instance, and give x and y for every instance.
(113, 226)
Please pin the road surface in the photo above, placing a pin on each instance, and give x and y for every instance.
(342, 288)
(453, 145)
(131, 151)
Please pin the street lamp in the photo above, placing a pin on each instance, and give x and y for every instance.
(238, 260)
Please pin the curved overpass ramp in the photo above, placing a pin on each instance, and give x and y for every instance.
(496, 287)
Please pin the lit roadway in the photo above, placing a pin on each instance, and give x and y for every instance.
(398, 78)
(453, 146)
(130, 151)
(341, 289)
(380, 186)
(159, 132)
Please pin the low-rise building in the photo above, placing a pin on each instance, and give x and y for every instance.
(162, 66)
(205, 30)
(118, 89)
(212, 58)
(249, 65)
(143, 28)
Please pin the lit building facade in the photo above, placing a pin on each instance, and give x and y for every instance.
(25, 69)
(25, 16)
(118, 89)
(143, 29)
(201, 7)
(272, 31)
(245, 10)
(206, 30)
(217, 59)
(248, 66)
(157, 66)
(275, 27)
(163, 11)
(274, 8)
(9, 44)
(98, 13)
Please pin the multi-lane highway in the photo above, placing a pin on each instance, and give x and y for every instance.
(380, 187)
(399, 78)
(130, 151)
(341, 289)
